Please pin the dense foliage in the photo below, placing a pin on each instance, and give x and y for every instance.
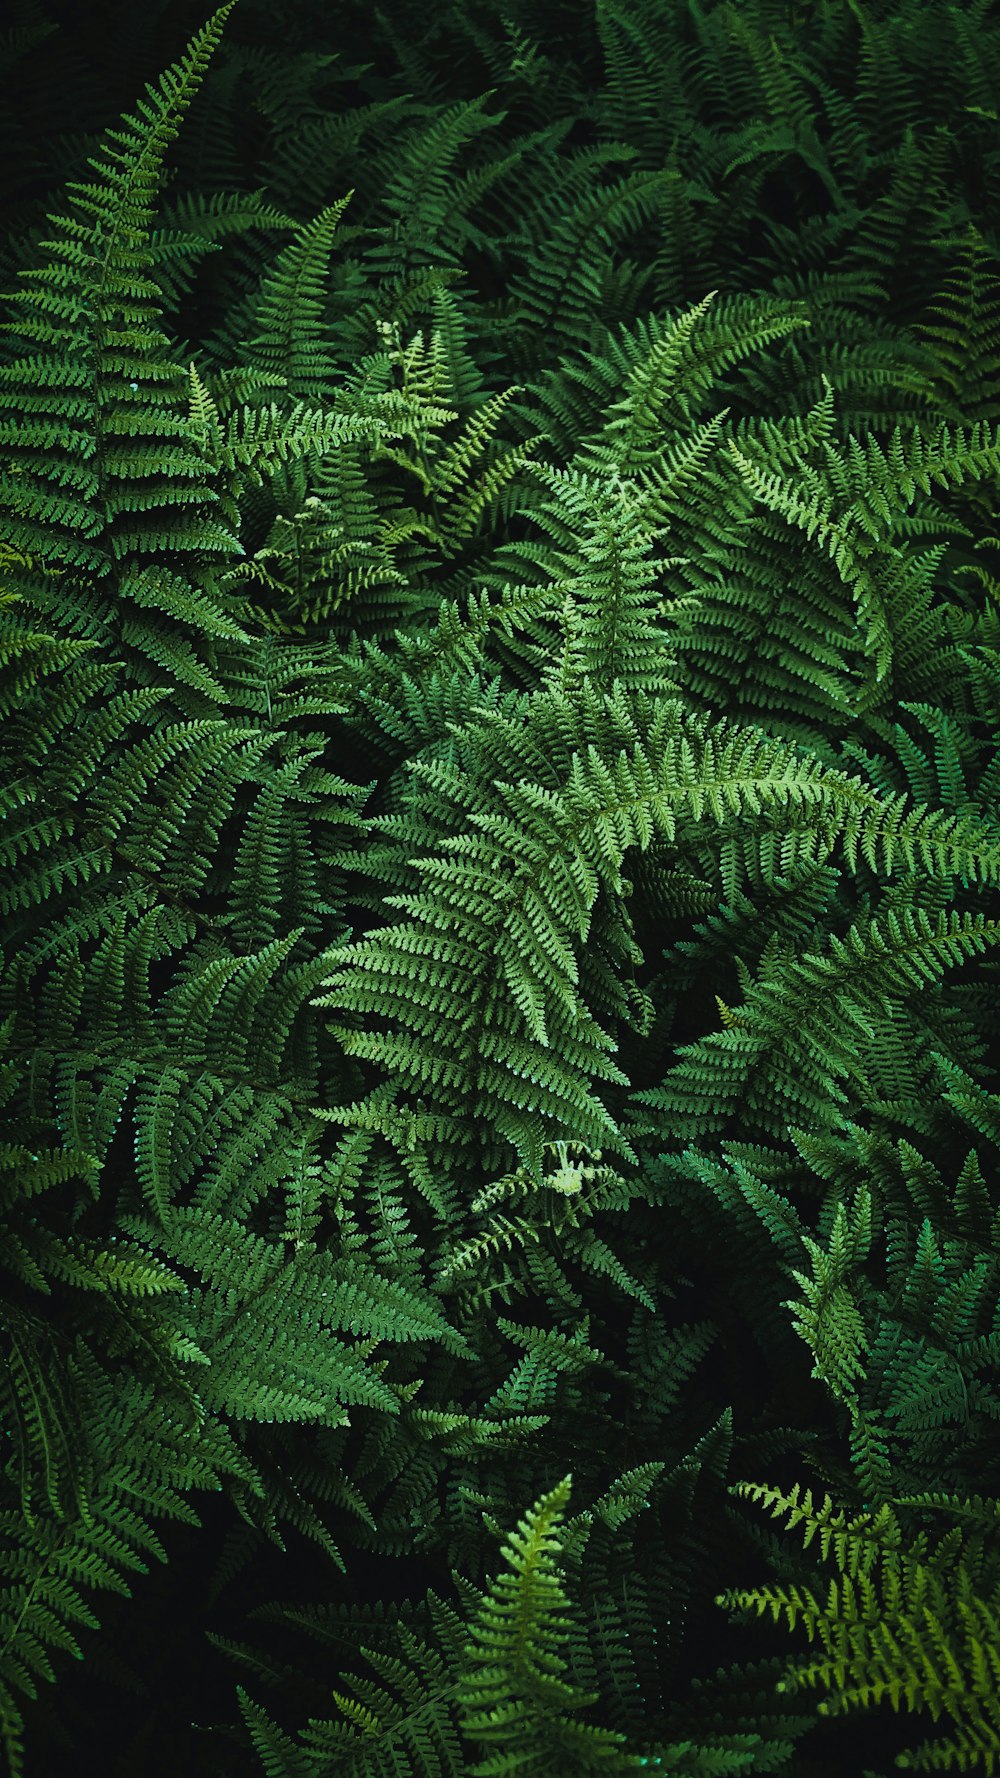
(499, 1031)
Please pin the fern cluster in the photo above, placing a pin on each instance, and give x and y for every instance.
(499, 642)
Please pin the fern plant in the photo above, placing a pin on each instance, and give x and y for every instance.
(498, 906)
(908, 1619)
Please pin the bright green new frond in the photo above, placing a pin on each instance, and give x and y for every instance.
(903, 1623)
(513, 1696)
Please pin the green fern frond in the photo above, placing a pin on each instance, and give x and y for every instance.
(94, 369)
(513, 1696)
(892, 1627)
